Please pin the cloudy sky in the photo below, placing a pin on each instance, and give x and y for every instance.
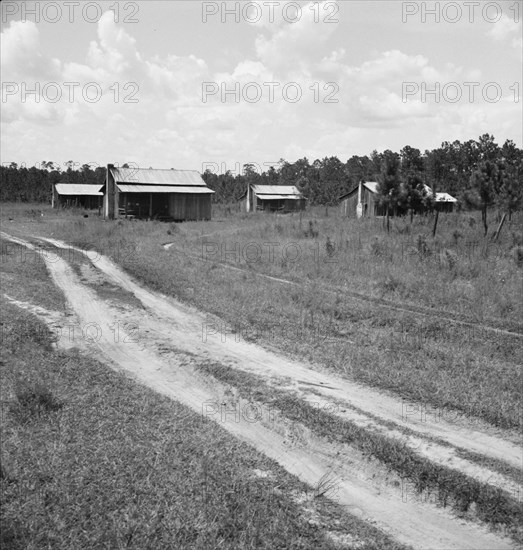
(193, 85)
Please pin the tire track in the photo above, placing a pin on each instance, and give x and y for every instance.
(422, 525)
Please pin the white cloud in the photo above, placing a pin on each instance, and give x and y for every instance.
(20, 55)
(116, 51)
(507, 29)
(292, 47)
(171, 126)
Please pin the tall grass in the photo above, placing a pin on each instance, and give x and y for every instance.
(421, 358)
(90, 459)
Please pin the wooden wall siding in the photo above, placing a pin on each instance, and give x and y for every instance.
(134, 204)
(188, 206)
(294, 205)
(177, 206)
(349, 205)
(445, 206)
(279, 205)
(81, 201)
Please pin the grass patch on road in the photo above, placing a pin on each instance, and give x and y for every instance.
(424, 359)
(91, 459)
(450, 487)
(24, 277)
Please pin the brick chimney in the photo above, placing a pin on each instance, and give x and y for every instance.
(110, 198)
(248, 197)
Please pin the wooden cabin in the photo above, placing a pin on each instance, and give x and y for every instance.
(77, 195)
(175, 195)
(362, 201)
(443, 202)
(273, 198)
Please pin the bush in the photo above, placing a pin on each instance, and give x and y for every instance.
(33, 400)
(517, 254)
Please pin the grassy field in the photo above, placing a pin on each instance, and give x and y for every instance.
(425, 359)
(90, 459)
(447, 487)
(332, 314)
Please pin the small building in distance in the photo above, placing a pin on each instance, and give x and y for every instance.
(273, 198)
(78, 195)
(170, 195)
(443, 202)
(362, 201)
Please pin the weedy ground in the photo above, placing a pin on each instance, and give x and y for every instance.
(345, 272)
(424, 358)
(91, 459)
(448, 487)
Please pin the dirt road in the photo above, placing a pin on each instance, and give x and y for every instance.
(172, 338)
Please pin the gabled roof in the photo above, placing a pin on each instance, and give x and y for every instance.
(440, 197)
(78, 189)
(372, 186)
(151, 176)
(277, 190)
(444, 197)
(278, 197)
(139, 188)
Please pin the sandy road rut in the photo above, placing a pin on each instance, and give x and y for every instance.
(170, 338)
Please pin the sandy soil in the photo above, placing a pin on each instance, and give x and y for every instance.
(160, 345)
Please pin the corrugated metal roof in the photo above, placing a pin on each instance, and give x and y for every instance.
(440, 197)
(276, 190)
(372, 186)
(156, 177)
(445, 197)
(128, 188)
(278, 197)
(78, 189)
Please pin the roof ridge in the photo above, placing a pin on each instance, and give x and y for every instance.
(156, 169)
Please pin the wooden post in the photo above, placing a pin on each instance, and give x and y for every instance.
(435, 224)
(496, 235)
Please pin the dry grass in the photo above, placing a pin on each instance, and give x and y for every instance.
(425, 359)
(465, 495)
(90, 459)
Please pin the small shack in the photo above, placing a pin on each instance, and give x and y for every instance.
(362, 201)
(273, 198)
(443, 202)
(169, 195)
(79, 195)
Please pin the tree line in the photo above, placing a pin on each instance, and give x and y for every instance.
(479, 173)
(35, 184)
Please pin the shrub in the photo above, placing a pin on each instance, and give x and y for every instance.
(33, 400)
(517, 254)
(423, 248)
(311, 232)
